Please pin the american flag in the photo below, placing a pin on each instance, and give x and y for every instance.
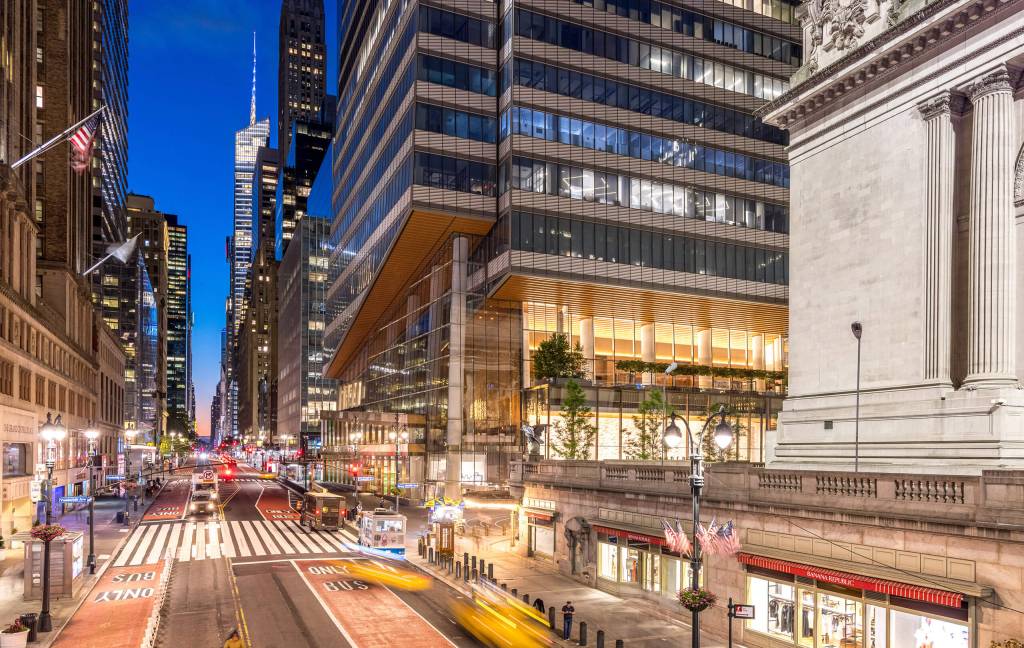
(81, 144)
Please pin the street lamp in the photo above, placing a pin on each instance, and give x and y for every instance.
(673, 438)
(857, 328)
(398, 436)
(129, 437)
(92, 434)
(53, 432)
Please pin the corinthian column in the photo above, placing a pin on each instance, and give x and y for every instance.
(938, 271)
(992, 252)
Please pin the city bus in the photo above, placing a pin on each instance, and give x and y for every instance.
(383, 530)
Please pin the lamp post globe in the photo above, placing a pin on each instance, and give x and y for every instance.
(723, 434)
(673, 437)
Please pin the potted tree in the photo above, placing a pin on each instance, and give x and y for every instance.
(555, 358)
(14, 636)
(644, 442)
(575, 434)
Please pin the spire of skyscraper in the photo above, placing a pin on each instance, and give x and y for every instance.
(252, 103)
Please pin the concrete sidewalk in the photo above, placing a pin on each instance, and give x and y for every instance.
(109, 534)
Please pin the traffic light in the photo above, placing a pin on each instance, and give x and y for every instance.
(353, 469)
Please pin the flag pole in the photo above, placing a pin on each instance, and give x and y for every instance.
(97, 264)
(56, 139)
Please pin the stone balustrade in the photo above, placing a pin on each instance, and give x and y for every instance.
(995, 497)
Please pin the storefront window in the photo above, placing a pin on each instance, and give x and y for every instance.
(15, 455)
(807, 616)
(652, 571)
(630, 565)
(840, 621)
(874, 627)
(607, 563)
(917, 631)
(673, 575)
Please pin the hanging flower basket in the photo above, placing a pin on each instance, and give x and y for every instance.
(696, 600)
(47, 532)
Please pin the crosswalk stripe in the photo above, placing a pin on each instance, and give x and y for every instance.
(240, 543)
(126, 552)
(186, 542)
(277, 537)
(140, 555)
(213, 539)
(199, 548)
(317, 538)
(251, 535)
(172, 542)
(298, 538)
(154, 553)
(227, 547)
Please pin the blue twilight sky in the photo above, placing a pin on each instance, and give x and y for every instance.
(190, 75)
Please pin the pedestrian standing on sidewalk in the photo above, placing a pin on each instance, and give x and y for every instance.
(567, 611)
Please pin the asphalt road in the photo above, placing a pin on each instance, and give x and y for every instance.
(255, 569)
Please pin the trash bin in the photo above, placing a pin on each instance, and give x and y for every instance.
(29, 621)
(120, 517)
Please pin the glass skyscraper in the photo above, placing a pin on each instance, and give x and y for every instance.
(509, 172)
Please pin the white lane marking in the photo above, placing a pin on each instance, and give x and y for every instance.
(240, 543)
(199, 547)
(270, 528)
(185, 554)
(172, 543)
(323, 604)
(212, 542)
(296, 538)
(227, 547)
(158, 544)
(141, 553)
(251, 534)
(126, 551)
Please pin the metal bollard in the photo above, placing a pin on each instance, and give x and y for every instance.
(430, 555)
(619, 643)
(504, 586)
(526, 598)
(515, 592)
(474, 563)
(465, 572)
(490, 571)
(551, 620)
(476, 576)
(600, 639)
(458, 570)
(583, 633)
(465, 558)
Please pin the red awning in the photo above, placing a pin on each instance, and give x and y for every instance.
(534, 515)
(630, 535)
(927, 594)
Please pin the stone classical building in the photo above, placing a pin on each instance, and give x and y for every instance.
(919, 107)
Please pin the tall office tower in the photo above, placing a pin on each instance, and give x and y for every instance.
(309, 142)
(240, 253)
(592, 170)
(178, 317)
(256, 360)
(55, 357)
(301, 65)
(304, 395)
(190, 406)
(154, 246)
(110, 88)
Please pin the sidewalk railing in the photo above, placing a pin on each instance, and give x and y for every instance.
(149, 639)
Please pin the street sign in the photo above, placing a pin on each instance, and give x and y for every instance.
(409, 485)
(741, 611)
(364, 478)
(36, 490)
(207, 474)
(115, 477)
(76, 499)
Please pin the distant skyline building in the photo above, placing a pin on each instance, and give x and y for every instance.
(303, 393)
(248, 141)
(179, 342)
(309, 142)
(301, 66)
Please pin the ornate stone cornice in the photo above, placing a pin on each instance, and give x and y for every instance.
(995, 81)
(936, 106)
(880, 56)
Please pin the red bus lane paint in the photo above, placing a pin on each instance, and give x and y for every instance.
(171, 503)
(347, 599)
(116, 611)
(273, 504)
